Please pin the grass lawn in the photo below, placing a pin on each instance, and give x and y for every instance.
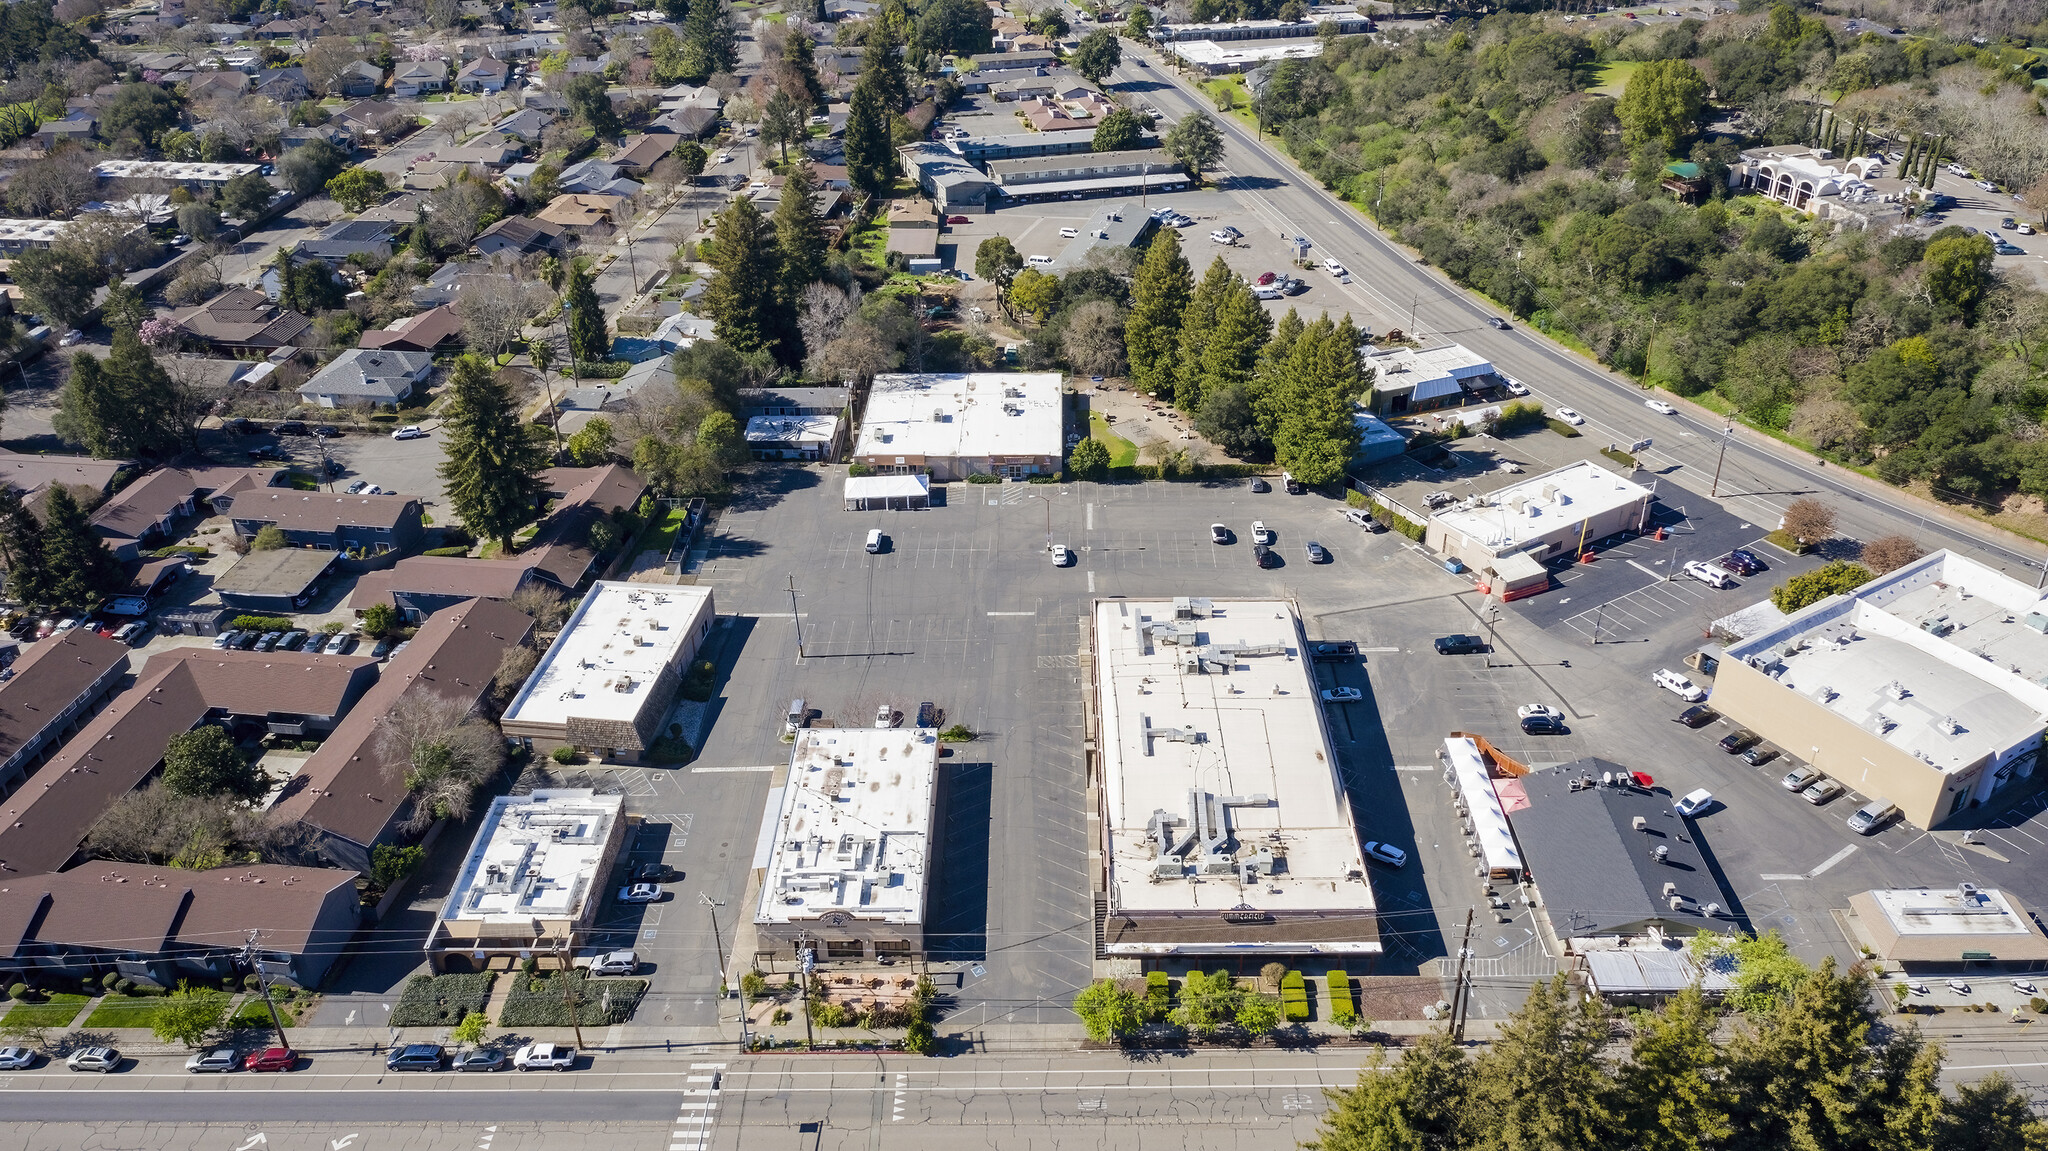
(58, 1012)
(1610, 78)
(873, 242)
(255, 1014)
(1122, 452)
(123, 1011)
(660, 534)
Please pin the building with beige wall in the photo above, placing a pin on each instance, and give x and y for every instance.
(1927, 686)
(1542, 517)
(953, 426)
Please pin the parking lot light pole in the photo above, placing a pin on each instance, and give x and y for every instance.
(795, 618)
(1492, 622)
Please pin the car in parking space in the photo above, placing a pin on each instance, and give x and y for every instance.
(640, 893)
(1264, 556)
(131, 633)
(327, 432)
(416, 1057)
(615, 963)
(1294, 487)
(1759, 754)
(1542, 724)
(544, 1057)
(101, 1059)
(655, 871)
(269, 452)
(1268, 293)
(1261, 534)
(1694, 802)
(409, 432)
(1219, 534)
(1342, 695)
(242, 427)
(1335, 651)
(292, 428)
(2008, 222)
(482, 1059)
(1514, 386)
(1823, 791)
(1497, 322)
(1061, 556)
(1459, 644)
(1713, 575)
(340, 643)
(71, 339)
(2005, 247)
(1872, 816)
(218, 1059)
(1800, 778)
(1569, 416)
(1741, 739)
(1259, 484)
(1678, 685)
(885, 715)
(1742, 561)
(1385, 853)
(269, 640)
(958, 220)
(1660, 407)
(355, 488)
(272, 1059)
(21, 1058)
(247, 641)
(292, 640)
(1317, 554)
(2025, 229)
(1986, 186)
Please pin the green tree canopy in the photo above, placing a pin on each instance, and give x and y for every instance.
(493, 467)
(205, 762)
(59, 282)
(358, 188)
(1159, 296)
(1118, 131)
(1661, 105)
(1196, 142)
(996, 260)
(743, 298)
(124, 406)
(189, 1014)
(1107, 1011)
(1035, 294)
(1957, 268)
(307, 168)
(1089, 460)
(80, 570)
(591, 104)
(245, 195)
(1838, 578)
(140, 112)
(589, 340)
(592, 443)
(1097, 55)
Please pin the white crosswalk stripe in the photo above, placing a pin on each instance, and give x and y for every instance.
(698, 1110)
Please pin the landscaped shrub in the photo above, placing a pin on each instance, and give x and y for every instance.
(1561, 428)
(984, 478)
(1518, 416)
(563, 754)
(544, 1002)
(1399, 523)
(1158, 995)
(261, 623)
(446, 552)
(441, 1000)
(702, 680)
(1294, 997)
(958, 733)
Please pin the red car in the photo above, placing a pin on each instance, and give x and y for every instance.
(272, 1059)
(1265, 278)
(957, 220)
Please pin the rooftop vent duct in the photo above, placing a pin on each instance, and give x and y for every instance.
(1949, 726)
(1896, 690)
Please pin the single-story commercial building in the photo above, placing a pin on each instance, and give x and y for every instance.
(953, 426)
(532, 882)
(1417, 380)
(793, 437)
(1547, 515)
(1947, 927)
(1116, 227)
(1041, 178)
(278, 580)
(954, 184)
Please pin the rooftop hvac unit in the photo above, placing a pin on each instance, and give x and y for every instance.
(1826, 694)
(1639, 823)
(1966, 890)
(1882, 724)
(1711, 910)
(1949, 726)
(2037, 621)
(1662, 853)
(1937, 626)
(624, 684)
(1670, 889)
(938, 415)
(1607, 779)
(1678, 903)
(1896, 690)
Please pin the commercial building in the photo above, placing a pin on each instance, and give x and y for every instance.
(846, 846)
(1348, 22)
(1646, 975)
(605, 685)
(954, 426)
(175, 172)
(1924, 686)
(1505, 535)
(1042, 178)
(1815, 181)
(1419, 379)
(1220, 59)
(888, 493)
(793, 437)
(1610, 858)
(1948, 927)
(1377, 439)
(532, 882)
(55, 688)
(1224, 825)
(1116, 227)
(1023, 145)
(954, 184)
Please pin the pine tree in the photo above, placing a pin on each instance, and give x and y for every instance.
(801, 61)
(1989, 1115)
(493, 467)
(1672, 1092)
(708, 42)
(1542, 1084)
(1306, 403)
(21, 547)
(589, 342)
(800, 242)
(1196, 325)
(124, 307)
(1159, 294)
(1419, 1104)
(742, 297)
(79, 567)
(1242, 328)
(870, 151)
(881, 61)
(123, 406)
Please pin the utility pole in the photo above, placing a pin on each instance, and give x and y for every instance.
(249, 957)
(717, 940)
(572, 991)
(1726, 433)
(798, 620)
(807, 963)
(1459, 991)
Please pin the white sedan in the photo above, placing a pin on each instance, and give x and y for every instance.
(1515, 387)
(1261, 534)
(1660, 407)
(1386, 853)
(1342, 695)
(1533, 709)
(1569, 416)
(641, 893)
(1694, 803)
(409, 432)
(1060, 555)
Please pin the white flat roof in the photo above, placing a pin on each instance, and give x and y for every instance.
(1974, 685)
(1538, 506)
(37, 231)
(535, 857)
(1210, 53)
(1429, 372)
(610, 652)
(1489, 820)
(1949, 911)
(852, 832)
(1246, 733)
(170, 170)
(969, 416)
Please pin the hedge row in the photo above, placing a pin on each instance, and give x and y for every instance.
(441, 1000)
(1294, 997)
(1399, 522)
(543, 1001)
(1158, 994)
(1340, 992)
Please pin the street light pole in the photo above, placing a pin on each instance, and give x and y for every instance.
(795, 618)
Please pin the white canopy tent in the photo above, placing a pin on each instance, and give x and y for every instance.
(882, 493)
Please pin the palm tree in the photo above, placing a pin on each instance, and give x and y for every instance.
(541, 351)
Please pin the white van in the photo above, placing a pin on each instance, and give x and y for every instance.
(874, 541)
(1331, 266)
(1222, 237)
(798, 712)
(1039, 261)
(1069, 233)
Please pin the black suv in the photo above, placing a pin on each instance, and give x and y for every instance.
(269, 452)
(1742, 562)
(416, 1057)
(292, 428)
(1542, 725)
(1459, 644)
(1263, 556)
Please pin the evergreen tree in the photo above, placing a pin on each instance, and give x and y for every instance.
(1420, 1104)
(589, 343)
(1159, 294)
(881, 61)
(123, 406)
(708, 42)
(1197, 322)
(800, 242)
(493, 467)
(1989, 1115)
(79, 567)
(1242, 327)
(1305, 403)
(743, 295)
(124, 307)
(870, 150)
(1542, 1085)
(21, 547)
(589, 102)
(801, 62)
(1672, 1091)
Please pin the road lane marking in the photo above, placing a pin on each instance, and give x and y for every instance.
(770, 767)
(1824, 865)
(1011, 613)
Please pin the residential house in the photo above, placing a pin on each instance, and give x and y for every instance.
(147, 513)
(914, 228)
(118, 750)
(291, 138)
(639, 153)
(595, 177)
(364, 119)
(692, 123)
(344, 238)
(217, 86)
(350, 795)
(577, 66)
(368, 376)
(419, 586)
(287, 86)
(78, 126)
(276, 581)
(520, 236)
(579, 215)
(54, 690)
(425, 332)
(794, 401)
(560, 551)
(163, 926)
(30, 476)
(359, 79)
(419, 77)
(526, 124)
(327, 521)
(483, 74)
(241, 320)
(689, 96)
(271, 281)
(490, 149)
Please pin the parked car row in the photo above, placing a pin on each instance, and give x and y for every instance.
(1805, 781)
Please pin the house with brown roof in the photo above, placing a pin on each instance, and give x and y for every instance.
(290, 693)
(422, 333)
(639, 153)
(55, 688)
(419, 586)
(158, 925)
(579, 212)
(329, 521)
(560, 551)
(28, 476)
(147, 511)
(350, 795)
(241, 320)
(521, 236)
(483, 74)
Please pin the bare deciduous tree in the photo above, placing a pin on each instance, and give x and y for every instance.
(493, 319)
(1094, 339)
(53, 186)
(326, 60)
(156, 826)
(546, 605)
(826, 308)
(442, 750)
(1809, 520)
(1889, 553)
(513, 667)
